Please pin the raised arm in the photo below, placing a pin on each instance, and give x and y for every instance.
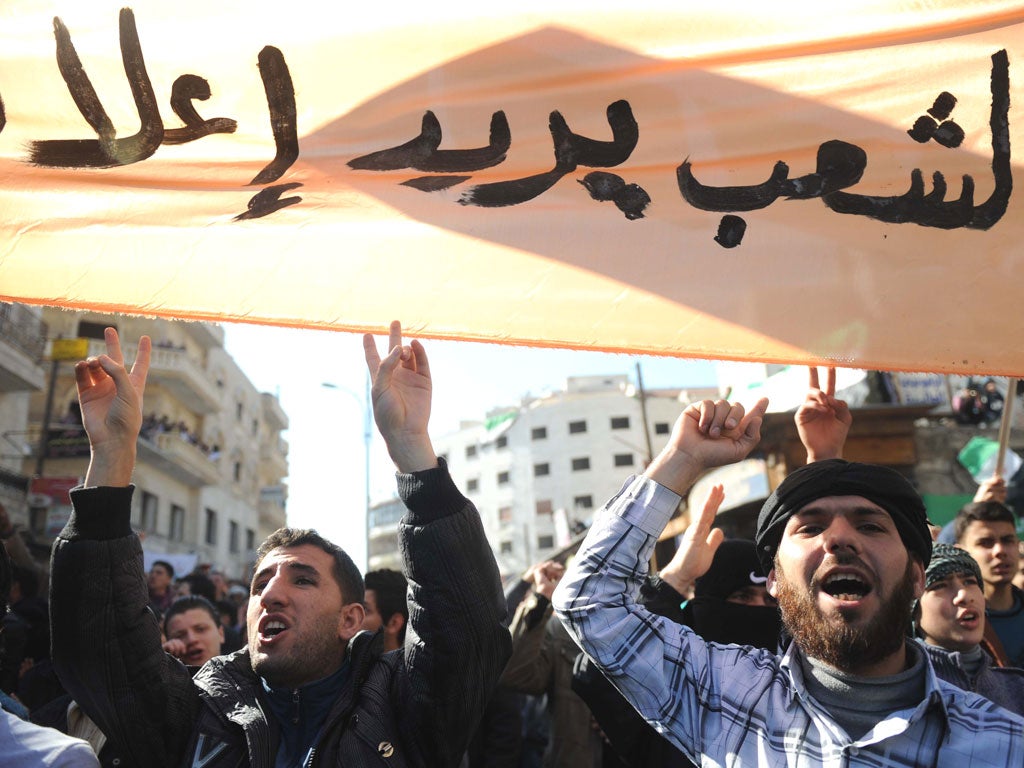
(106, 642)
(532, 664)
(823, 421)
(697, 549)
(661, 668)
(401, 400)
(708, 434)
(457, 641)
(111, 401)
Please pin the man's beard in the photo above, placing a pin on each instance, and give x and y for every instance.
(837, 643)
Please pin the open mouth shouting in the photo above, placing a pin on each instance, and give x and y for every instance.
(271, 629)
(846, 587)
(969, 619)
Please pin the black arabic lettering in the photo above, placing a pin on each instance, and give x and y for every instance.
(947, 133)
(422, 153)
(434, 183)
(839, 165)
(932, 210)
(108, 151)
(571, 150)
(943, 105)
(3, 115)
(748, 198)
(185, 89)
(914, 205)
(277, 82)
(730, 231)
(631, 199)
(269, 200)
(600, 154)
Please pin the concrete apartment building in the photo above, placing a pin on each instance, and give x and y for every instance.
(538, 471)
(211, 460)
(22, 342)
(383, 535)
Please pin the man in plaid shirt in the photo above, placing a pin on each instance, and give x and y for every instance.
(845, 545)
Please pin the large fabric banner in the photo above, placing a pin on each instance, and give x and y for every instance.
(739, 180)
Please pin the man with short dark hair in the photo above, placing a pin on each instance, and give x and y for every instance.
(386, 606)
(988, 531)
(161, 586)
(845, 547)
(193, 630)
(310, 686)
(949, 621)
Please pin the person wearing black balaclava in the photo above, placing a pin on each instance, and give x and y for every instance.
(730, 605)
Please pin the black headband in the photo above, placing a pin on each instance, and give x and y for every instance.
(836, 477)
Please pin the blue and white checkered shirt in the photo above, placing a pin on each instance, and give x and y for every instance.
(725, 705)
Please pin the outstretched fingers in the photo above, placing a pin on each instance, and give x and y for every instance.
(705, 539)
(707, 516)
(140, 368)
(385, 370)
(387, 365)
(371, 354)
(394, 335)
(814, 383)
(113, 345)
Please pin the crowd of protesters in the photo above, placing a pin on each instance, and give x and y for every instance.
(841, 635)
(153, 426)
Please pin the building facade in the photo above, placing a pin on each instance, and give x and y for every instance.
(382, 535)
(22, 373)
(211, 459)
(538, 471)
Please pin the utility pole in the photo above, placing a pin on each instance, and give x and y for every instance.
(642, 394)
(60, 350)
(366, 406)
(44, 432)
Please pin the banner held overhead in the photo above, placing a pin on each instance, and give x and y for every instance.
(743, 181)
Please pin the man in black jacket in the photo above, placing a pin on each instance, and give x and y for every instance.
(309, 688)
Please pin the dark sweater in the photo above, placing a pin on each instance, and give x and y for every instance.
(1002, 685)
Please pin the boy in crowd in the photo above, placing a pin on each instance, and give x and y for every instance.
(988, 531)
(949, 619)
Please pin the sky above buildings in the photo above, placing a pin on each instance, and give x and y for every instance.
(326, 432)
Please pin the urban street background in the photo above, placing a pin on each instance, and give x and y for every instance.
(326, 432)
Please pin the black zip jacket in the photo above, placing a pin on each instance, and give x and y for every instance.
(414, 707)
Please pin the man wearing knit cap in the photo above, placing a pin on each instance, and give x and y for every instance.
(845, 546)
(949, 621)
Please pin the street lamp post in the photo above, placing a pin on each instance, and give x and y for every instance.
(364, 404)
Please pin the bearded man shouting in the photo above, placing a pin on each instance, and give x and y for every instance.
(845, 546)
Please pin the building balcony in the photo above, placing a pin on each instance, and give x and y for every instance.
(176, 372)
(274, 414)
(384, 552)
(274, 456)
(206, 335)
(22, 341)
(180, 459)
(271, 508)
